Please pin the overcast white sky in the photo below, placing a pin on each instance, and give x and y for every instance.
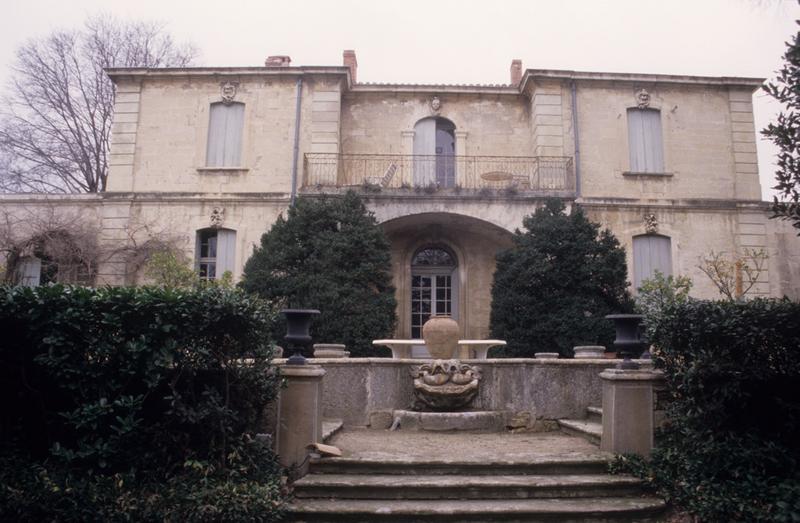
(458, 41)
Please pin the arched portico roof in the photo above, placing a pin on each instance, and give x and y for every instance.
(445, 220)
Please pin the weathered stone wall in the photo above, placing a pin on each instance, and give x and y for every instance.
(161, 127)
(708, 140)
(495, 124)
(355, 387)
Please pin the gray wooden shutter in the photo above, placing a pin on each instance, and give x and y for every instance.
(29, 272)
(645, 141)
(425, 149)
(651, 253)
(224, 147)
(226, 251)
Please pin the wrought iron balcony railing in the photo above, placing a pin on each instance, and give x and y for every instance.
(524, 173)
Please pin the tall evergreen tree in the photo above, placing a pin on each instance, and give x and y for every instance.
(786, 135)
(328, 254)
(553, 288)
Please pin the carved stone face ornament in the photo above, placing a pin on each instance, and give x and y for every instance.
(444, 385)
(217, 217)
(650, 223)
(228, 92)
(642, 99)
(436, 105)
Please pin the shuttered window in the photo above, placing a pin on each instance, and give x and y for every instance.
(216, 253)
(224, 148)
(651, 253)
(644, 141)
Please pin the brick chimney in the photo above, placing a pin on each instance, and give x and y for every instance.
(516, 71)
(278, 61)
(349, 60)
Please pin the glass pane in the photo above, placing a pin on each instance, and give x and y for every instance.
(432, 256)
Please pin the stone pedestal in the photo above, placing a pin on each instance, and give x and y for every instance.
(299, 414)
(330, 350)
(629, 402)
(589, 351)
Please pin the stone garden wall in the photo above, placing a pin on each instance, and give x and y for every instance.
(354, 388)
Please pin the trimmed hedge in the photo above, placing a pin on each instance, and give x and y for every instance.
(329, 253)
(552, 290)
(135, 403)
(730, 451)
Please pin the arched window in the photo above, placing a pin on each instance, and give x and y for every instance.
(434, 152)
(434, 286)
(644, 140)
(224, 147)
(651, 253)
(215, 252)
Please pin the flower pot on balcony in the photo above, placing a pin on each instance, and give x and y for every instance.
(441, 337)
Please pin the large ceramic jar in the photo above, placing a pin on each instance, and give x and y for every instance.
(441, 337)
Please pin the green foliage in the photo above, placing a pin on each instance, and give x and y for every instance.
(552, 290)
(167, 269)
(730, 450)
(659, 291)
(785, 134)
(328, 254)
(134, 403)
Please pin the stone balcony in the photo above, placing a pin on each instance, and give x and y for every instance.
(427, 174)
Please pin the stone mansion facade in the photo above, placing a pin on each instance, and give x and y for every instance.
(215, 155)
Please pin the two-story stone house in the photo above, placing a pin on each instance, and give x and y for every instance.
(215, 155)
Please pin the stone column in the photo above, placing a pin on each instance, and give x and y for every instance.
(629, 401)
(299, 414)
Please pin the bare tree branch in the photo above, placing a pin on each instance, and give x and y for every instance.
(55, 123)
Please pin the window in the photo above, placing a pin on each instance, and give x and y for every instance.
(644, 141)
(224, 148)
(651, 253)
(28, 271)
(434, 286)
(216, 251)
(434, 152)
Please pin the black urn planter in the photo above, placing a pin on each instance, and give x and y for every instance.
(628, 344)
(298, 324)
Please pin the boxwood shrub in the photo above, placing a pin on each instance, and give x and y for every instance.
(135, 404)
(730, 451)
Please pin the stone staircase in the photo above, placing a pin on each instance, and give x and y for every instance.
(589, 428)
(509, 487)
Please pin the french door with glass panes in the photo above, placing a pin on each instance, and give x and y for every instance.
(431, 294)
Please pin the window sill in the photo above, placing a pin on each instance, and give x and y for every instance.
(222, 170)
(635, 174)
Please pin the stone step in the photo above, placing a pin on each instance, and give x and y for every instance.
(485, 420)
(330, 428)
(411, 466)
(357, 486)
(590, 430)
(639, 509)
(594, 414)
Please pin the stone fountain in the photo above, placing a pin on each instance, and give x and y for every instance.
(444, 384)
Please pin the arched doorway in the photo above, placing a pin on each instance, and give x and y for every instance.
(434, 286)
(434, 152)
